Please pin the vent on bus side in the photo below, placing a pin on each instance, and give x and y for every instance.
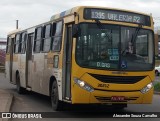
(118, 79)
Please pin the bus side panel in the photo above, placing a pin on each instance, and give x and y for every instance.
(37, 75)
(7, 67)
(50, 71)
(45, 82)
(15, 67)
(47, 73)
(21, 66)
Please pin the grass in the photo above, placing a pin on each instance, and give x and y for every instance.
(157, 87)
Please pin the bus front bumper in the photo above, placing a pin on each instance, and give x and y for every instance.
(80, 96)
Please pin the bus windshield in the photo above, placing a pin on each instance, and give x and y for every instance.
(112, 47)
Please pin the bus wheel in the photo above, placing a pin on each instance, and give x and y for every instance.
(57, 105)
(20, 90)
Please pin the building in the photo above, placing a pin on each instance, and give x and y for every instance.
(157, 43)
(3, 42)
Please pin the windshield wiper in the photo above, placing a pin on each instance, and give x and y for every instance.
(133, 39)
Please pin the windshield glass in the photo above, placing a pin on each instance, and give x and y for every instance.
(114, 47)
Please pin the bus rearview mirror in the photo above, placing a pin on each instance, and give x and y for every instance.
(75, 30)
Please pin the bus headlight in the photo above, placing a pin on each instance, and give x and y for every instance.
(147, 88)
(83, 85)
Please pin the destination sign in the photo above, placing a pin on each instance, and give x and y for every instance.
(115, 15)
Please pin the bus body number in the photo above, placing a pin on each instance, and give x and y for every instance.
(103, 85)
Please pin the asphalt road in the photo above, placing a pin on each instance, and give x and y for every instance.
(33, 102)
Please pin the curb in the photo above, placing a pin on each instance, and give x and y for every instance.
(157, 93)
(8, 106)
(9, 103)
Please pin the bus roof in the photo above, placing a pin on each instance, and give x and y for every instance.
(76, 9)
(65, 13)
(69, 12)
(14, 31)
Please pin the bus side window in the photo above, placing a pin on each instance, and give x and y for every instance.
(57, 36)
(23, 42)
(46, 42)
(37, 39)
(17, 43)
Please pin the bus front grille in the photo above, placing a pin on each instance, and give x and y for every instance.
(118, 79)
(108, 99)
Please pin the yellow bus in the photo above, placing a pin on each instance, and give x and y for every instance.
(85, 55)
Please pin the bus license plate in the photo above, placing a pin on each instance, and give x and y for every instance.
(117, 98)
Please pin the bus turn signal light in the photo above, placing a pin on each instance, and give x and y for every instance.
(83, 85)
(147, 88)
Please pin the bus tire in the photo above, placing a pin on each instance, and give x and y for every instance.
(57, 105)
(20, 90)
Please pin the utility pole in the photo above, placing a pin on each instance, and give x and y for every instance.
(16, 24)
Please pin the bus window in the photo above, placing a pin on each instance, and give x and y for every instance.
(57, 36)
(141, 44)
(17, 43)
(46, 42)
(37, 39)
(23, 42)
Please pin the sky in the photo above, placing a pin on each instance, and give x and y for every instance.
(34, 12)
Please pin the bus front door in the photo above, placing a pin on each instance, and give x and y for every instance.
(11, 60)
(67, 63)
